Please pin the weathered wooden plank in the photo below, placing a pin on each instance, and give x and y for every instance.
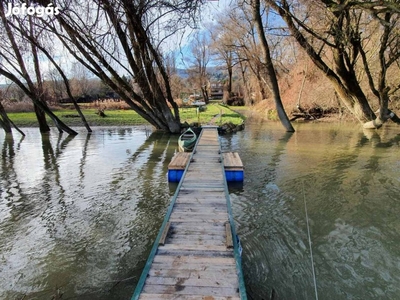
(184, 218)
(219, 204)
(179, 161)
(204, 226)
(203, 173)
(148, 296)
(232, 160)
(194, 247)
(183, 192)
(196, 268)
(209, 273)
(164, 233)
(189, 252)
(204, 215)
(194, 281)
(200, 199)
(229, 241)
(211, 189)
(200, 208)
(191, 228)
(194, 183)
(193, 232)
(199, 220)
(203, 170)
(190, 290)
(199, 240)
(193, 259)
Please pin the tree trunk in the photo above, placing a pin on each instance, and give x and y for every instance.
(41, 118)
(354, 99)
(141, 56)
(248, 98)
(344, 81)
(271, 78)
(205, 94)
(4, 121)
(230, 71)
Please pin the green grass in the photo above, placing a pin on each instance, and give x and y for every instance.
(71, 118)
(215, 114)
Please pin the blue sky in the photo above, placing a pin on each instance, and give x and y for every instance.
(180, 45)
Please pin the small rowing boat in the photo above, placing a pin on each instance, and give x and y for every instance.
(187, 140)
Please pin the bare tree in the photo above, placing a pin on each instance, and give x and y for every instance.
(270, 77)
(223, 47)
(13, 65)
(336, 36)
(246, 48)
(201, 55)
(111, 38)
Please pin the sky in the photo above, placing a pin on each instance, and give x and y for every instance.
(210, 13)
(180, 46)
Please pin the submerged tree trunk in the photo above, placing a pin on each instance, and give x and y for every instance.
(270, 77)
(41, 118)
(34, 92)
(4, 121)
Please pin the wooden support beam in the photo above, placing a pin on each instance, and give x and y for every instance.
(228, 231)
(164, 234)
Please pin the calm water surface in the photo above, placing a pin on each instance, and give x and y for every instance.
(350, 182)
(80, 214)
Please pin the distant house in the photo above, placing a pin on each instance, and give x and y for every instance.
(216, 90)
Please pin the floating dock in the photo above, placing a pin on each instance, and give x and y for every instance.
(234, 171)
(196, 254)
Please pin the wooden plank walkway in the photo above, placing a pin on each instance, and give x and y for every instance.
(195, 255)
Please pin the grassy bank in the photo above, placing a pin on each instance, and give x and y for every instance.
(215, 114)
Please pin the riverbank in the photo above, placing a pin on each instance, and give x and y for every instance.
(215, 114)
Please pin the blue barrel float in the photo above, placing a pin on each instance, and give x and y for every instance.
(233, 166)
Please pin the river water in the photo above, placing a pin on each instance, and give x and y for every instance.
(79, 215)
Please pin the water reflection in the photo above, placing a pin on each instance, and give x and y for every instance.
(81, 214)
(351, 185)
(86, 211)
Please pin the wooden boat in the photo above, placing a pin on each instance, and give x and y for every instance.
(187, 140)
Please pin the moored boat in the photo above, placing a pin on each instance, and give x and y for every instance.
(187, 140)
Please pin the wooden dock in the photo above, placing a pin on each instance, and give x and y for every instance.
(196, 254)
(232, 164)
